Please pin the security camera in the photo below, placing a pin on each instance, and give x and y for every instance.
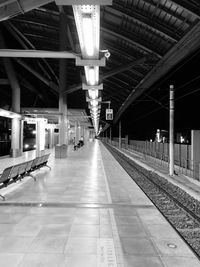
(107, 54)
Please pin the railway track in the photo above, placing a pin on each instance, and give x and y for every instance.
(178, 207)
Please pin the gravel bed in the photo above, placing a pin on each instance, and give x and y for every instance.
(179, 208)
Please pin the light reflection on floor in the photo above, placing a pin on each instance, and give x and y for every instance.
(81, 213)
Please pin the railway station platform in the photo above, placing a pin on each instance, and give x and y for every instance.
(85, 212)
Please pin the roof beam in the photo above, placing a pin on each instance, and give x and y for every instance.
(113, 95)
(10, 28)
(36, 22)
(51, 85)
(123, 51)
(187, 45)
(117, 82)
(106, 127)
(19, 36)
(29, 86)
(156, 25)
(126, 77)
(123, 67)
(120, 89)
(76, 87)
(193, 9)
(70, 38)
(104, 27)
(69, 33)
(126, 37)
(36, 54)
(131, 69)
(166, 9)
(12, 77)
(12, 8)
(6, 2)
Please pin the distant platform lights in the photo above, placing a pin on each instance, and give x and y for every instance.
(87, 18)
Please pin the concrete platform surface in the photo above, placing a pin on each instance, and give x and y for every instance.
(85, 212)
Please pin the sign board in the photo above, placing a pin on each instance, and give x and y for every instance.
(109, 114)
(34, 120)
(30, 120)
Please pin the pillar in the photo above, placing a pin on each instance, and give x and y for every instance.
(61, 148)
(51, 137)
(171, 131)
(63, 127)
(40, 137)
(120, 138)
(76, 133)
(21, 135)
(110, 134)
(86, 134)
(16, 144)
(79, 132)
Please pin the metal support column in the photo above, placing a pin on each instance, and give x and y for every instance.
(40, 137)
(171, 131)
(21, 135)
(76, 133)
(79, 132)
(16, 145)
(110, 135)
(120, 139)
(51, 137)
(63, 127)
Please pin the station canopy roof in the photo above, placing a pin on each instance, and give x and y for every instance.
(145, 39)
(78, 116)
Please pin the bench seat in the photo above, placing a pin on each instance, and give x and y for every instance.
(17, 172)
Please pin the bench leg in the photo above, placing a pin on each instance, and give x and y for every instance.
(33, 177)
(29, 174)
(2, 197)
(48, 166)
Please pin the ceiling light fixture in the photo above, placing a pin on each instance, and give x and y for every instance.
(92, 75)
(93, 94)
(87, 18)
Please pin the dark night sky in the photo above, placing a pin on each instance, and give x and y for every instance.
(150, 111)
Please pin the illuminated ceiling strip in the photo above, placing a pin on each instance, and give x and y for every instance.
(92, 75)
(87, 18)
(93, 94)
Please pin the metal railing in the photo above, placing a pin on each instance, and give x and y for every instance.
(182, 165)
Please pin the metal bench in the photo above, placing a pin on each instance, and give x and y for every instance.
(14, 174)
(28, 169)
(40, 162)
(5, 178)
(45, 161)
(24, 170)
(19, 171)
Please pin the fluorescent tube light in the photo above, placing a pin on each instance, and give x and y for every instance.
(94, 103)
(93, 94)
(88, 35)
(92, 75)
